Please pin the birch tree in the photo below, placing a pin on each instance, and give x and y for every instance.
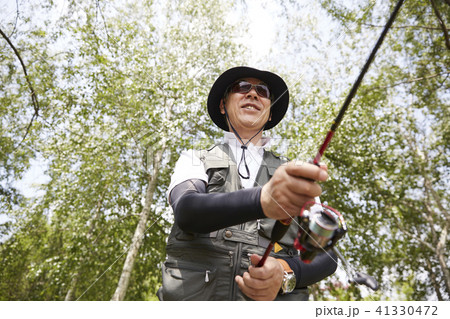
(129, 92)
(390, 158)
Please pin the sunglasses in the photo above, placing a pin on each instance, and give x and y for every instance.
(245, 87)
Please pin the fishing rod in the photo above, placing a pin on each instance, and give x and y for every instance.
(322, 229)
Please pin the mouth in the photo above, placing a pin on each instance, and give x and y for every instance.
(250, 106)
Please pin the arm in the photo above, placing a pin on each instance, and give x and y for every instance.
(201, 212)
(264, 283)
(323, 265)
(291, 186)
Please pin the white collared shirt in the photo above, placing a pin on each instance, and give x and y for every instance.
(189, 166)
(253, 157)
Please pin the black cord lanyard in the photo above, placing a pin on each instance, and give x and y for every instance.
(243, 147)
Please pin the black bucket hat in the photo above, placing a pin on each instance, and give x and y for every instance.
(277, 87)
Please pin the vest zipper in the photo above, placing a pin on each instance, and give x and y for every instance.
(237, 267)
(230, 253)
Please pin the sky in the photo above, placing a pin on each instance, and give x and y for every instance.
(260, 40)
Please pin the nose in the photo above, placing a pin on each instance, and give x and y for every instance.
(252, 93)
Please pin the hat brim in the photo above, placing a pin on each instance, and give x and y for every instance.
(277, 86)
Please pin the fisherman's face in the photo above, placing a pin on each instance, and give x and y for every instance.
(248, 111)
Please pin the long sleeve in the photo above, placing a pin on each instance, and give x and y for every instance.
(323, 265)
(201, 212)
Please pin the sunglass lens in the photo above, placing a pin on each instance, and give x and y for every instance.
(245, 87)
(263, 91)
(242, 87)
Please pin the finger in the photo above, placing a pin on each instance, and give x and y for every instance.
(295, 186)
(301, 186)
(240, 281)
(288, 207)
(260, 273)
(306, 170)
(254, 259)
(266, 272)
(256, 294)
(248, 291)
(255, 284)
(258, 278)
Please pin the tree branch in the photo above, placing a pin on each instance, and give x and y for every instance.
(429, 188)
(104, 21)
(402, 26)
(433, 279)
(34, 98)
(441, 22)
(17, 17)
(408, 81)
(415, 237)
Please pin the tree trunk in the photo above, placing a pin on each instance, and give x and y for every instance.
(122, 286)
(440, 243)
(433, 279)
(136, 242)
(440, 252)
(73, 285)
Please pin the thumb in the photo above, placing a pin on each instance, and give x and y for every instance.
(254, 258)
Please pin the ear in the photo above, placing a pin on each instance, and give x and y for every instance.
(221, 106)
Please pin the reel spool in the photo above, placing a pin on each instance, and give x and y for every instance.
(321, 226)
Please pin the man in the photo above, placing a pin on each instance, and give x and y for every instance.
(226, 200)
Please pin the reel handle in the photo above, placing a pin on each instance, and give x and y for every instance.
(359, 277)
(366, 280)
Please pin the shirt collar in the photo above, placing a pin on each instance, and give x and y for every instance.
(230, 139)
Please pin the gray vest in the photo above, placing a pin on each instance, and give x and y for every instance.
(203, 266)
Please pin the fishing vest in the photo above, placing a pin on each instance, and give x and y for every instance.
(203, 266)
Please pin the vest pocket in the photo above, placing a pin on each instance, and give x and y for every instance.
(216, 179)
(187, 281)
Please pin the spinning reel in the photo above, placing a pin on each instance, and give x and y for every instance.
(320, 227)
